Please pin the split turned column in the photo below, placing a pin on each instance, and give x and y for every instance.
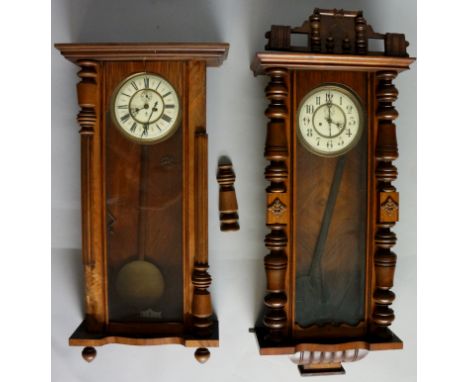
(276, 151)
(387, 199)
(202, 311)
(91, 195)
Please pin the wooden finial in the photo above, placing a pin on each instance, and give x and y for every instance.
(346, 45)
(330, 44)
(88, 353)
(202, 355)
(227, 196)
(315, 41)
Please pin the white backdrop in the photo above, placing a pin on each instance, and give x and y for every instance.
(236, 128)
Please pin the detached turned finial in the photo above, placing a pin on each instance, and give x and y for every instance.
(227, 196)
(202, 355)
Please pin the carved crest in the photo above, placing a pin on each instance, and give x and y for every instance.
(335, 31)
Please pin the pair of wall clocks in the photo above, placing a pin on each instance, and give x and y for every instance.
(331, 204)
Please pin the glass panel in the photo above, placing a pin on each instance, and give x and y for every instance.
(330, 283)
(144, 229)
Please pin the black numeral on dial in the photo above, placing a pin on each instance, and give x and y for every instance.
(309, 109)
(145, 129)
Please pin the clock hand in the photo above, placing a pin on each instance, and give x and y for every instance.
(338, 124)
(153, 109)
(146, 125)
(328, 118)
(134, 111)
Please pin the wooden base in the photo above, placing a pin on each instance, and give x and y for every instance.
(82, 337)
(321, 370)
(290, 345)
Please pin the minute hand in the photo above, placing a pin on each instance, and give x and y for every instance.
(152, 110)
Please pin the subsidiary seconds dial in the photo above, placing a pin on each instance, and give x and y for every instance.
(330, 120)
(145, 107)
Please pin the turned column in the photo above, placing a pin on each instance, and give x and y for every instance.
(387, 200)
(315, 39)
(360, 27)
(276, 151)
(202, 311)
(91, 195)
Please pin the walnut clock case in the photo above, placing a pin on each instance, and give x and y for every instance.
(144, 194)
(331, 205)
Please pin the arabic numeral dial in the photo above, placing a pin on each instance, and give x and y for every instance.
(330, 120)
(145, 108)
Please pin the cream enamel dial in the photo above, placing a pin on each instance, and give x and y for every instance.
(330, 120)
(145, 107)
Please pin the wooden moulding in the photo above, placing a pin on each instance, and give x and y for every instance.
(174, 335)
(321, 61)
(212, 53)
(321, 370)
(290, 346)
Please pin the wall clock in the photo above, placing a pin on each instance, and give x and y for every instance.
(331, 204)
(144, 194)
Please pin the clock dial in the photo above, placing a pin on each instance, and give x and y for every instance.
(330, 120)
(145, 107)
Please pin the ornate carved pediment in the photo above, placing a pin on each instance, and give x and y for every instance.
(335, 31)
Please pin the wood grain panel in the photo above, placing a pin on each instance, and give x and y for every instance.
(342, 267)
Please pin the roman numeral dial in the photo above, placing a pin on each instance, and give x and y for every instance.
(330, 120)
(145, 108)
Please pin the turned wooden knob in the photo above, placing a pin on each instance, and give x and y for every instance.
(227, 196)
(88, 353)
(202, 355)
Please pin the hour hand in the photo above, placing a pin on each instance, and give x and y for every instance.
(134, 111)
(338, 124)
